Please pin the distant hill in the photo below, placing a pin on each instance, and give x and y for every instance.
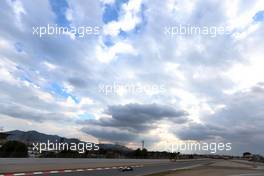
(115, 147)
(35, 136)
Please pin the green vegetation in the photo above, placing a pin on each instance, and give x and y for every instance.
(14, 149)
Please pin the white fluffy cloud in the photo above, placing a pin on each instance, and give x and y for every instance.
(55, 79)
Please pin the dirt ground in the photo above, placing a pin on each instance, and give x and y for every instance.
(215, 171)
(221, 168)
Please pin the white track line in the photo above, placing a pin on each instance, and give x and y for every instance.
(18, 174)
(53, 172)
(37, 173)
(252, 174)
(67, 171)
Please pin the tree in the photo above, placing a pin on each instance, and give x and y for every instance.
(174, 156)
(144, 153)
(140, 153)
(246, 154)
(14, 149)
(137, 153)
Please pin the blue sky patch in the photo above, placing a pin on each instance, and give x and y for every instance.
(119, 3)
(108, 41)
(26, 78)
(60, 7)
(123, 34)
(19, 47)
(86, 116)
(110, 13)
(259, 16)
(60, 91)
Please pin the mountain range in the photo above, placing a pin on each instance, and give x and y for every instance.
(35, 136)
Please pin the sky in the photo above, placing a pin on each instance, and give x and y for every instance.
(194, 87)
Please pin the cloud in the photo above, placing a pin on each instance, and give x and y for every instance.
(134, 119)
(199, 132)
(22, 112)
(240, 122)
(210, 83)
(110, 134)
(106, 55)
(77, 82)
(141, 117)
(130, 17)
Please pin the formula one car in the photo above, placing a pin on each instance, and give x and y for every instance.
(126, 168)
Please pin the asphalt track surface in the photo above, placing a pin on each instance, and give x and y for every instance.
(96, 167)
(137, 171)
(11, 165)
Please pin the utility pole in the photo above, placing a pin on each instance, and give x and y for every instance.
(143, 145)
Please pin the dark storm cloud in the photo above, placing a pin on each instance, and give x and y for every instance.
(110, 135)
(133, 119)
(139, 118)
(199, 132)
